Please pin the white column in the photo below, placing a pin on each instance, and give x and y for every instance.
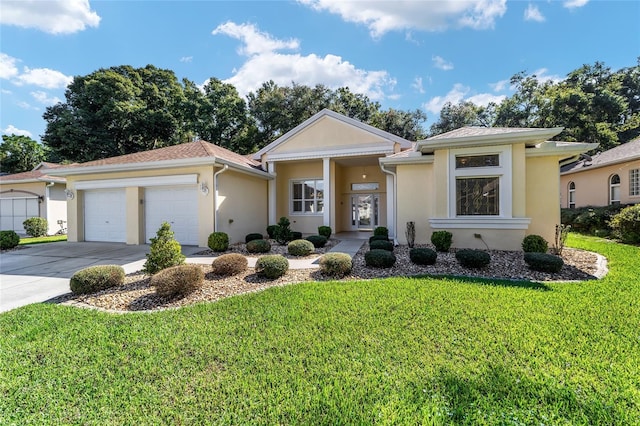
(271, 185)
(328, 201)
(391, 197)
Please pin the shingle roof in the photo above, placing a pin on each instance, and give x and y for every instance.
(38, 174)
(625, 152)
(464, 132)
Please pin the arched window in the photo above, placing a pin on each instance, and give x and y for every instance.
(614, 189)
(572, 195)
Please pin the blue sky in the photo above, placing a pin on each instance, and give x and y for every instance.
(406, 55)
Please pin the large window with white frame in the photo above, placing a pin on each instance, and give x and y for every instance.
(614, 189)
(307, 196)
(634, 182)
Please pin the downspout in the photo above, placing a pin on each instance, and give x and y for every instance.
(394, 202)
(215, 196)
(47, 197)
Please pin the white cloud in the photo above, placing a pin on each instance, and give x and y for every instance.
(43, 77)
(8, 67)
(532, 13)
(417, 85)
(501, 85)
(484, 99)
(186, 59)
(13, 130)
(265, 63)
(458, 94)
(43, 98)
(572, 4)
(26, 105)
(441, 63)
(52, 16)
(384, 16)
(543, 77)
(6, 92)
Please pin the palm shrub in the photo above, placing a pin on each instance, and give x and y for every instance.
(8, 240)
(442, 240)
(471, 258)
(229, 264)
(96, 278)
(543, 262)
(36, 226)
(423, 256)
(626, 224)
(534, 244)
(381, 230)
(272, 266)
(218, 241)
(282, 232)
(300, 248)
(325, 231)
(252, 236)
(336, 264)
(378, 258)
(381, 244)
(318, 241)
(165, 251)
(179, 280)
(258, 246)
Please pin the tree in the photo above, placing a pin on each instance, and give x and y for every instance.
(20, 153)
(406, 124)
(465, 113)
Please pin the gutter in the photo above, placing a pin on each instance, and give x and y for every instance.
(394, 202)
(215, 196)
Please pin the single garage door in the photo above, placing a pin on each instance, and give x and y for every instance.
(177, 205)
(105, 215)
(14, 211)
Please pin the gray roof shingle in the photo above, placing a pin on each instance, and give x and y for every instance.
(625, 152)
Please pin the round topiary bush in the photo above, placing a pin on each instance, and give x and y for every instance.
(378, 238)
(96, 278)
(626, 224)
(36, 226)
(295, 235)
(318, 241)
(379, 258)
(442, 240)
(325, 231)
(272, 266)
(381, 231)
(543, 262)
(300, 248)
(258, 246)
(8, 240)
(381, 245)
(229, 264)
(336, 264)
(218, 241)
(253, 236)
(534, 244)
(423, 256)
(179, 280)
(470, 258)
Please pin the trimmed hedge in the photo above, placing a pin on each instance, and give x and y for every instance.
(218, 241)
(442, 240)
(272, 266)
(378, 238)
(379, 258)
(336, 264)
(258, 246)
(381, 230)
(271, 231)
(543, 262)
(96, 278)
(318, 241)
(36, 226)
(253, 236)
(325, 231)
(229, 264)
(295, 235)
(381, 245)
(470, 258)
(300, 248)
(534, 244)
(423, 256)
(179, 280)
(8, 240)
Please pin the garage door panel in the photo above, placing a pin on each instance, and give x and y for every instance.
(14, 211)
(176, 205)
(105, 216)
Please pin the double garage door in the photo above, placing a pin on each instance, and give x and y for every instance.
(14, 211)
(105, 213)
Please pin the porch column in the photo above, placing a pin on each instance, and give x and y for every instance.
(328, 193)
(391, 210)
(271, 186)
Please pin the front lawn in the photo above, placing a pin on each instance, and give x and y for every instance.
(389, 351)
(42, 240)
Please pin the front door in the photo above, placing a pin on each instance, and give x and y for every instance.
(364, 211)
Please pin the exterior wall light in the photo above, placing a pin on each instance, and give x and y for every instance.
(69, 193)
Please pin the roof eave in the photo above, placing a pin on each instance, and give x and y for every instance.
(563, 151)
(599, 166)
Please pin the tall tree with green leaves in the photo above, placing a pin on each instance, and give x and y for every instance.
(463, 114)
(20, 153)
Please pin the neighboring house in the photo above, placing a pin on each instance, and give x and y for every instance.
(32, 194)
(330, 170)
(609, 177)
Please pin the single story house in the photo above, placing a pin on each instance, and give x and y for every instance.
(329, 170)
(609, 177)
(32, 194)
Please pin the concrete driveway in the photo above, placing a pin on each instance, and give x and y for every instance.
(37, 273)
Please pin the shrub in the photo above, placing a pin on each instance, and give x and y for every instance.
(8, 239)
(271, 231)
(544, 262)
(381, 230)
(253, 236)
(272, 266)
(165, 251)
(36, 226)
(325, 231)
(295, 235)
(96, 278)
(534, 244)
(381, 245)
(230, 264)
(318, 241)
(442, 240)
(178, 280)
(562, 232)
(470, 258)
(626, 224)
(300, 248)
(282, 232)
(423, 256)
(379, 258)
(590, 219)
(336, 264)
(378, 238)
(258, 246)
(218, 241)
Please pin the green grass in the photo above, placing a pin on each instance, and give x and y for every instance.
(42, 240)
(394, 351)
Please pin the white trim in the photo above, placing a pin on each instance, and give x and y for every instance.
(480, 222)
(141, 181)
(563, 149)
(315, 198)
(348, 152)
(411, 159)
(327, 194)
(272, 194)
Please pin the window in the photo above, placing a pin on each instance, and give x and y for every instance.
(307, 196)
(614, 189)
(464, 161)
(634, 182)
(572, 195)
(478, 196)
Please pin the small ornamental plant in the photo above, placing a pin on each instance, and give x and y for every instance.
(473, 259)
(318, 241)
(442, 240)
(379, 258)
(325, 231)
(218, 241)
(96, 278)
(378, 238)
(381, 230)
(534, 244)
(282, 233)
(179, 280)
(165, 251)
(336, 264)
(253, 236)
(381, 244)
(258, 246)
(300, 248)
(543, 262)
(423, 256)
(9, 240)
(272, 266)
(229, 264)
(36, 226)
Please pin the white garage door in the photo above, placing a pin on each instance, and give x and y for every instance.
(14, 211)
(177, 205)
(105, 215)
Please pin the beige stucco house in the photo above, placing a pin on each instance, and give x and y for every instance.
(609, 177)
(330, 170)
(32, 194)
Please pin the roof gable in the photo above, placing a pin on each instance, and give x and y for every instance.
(625, 152)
